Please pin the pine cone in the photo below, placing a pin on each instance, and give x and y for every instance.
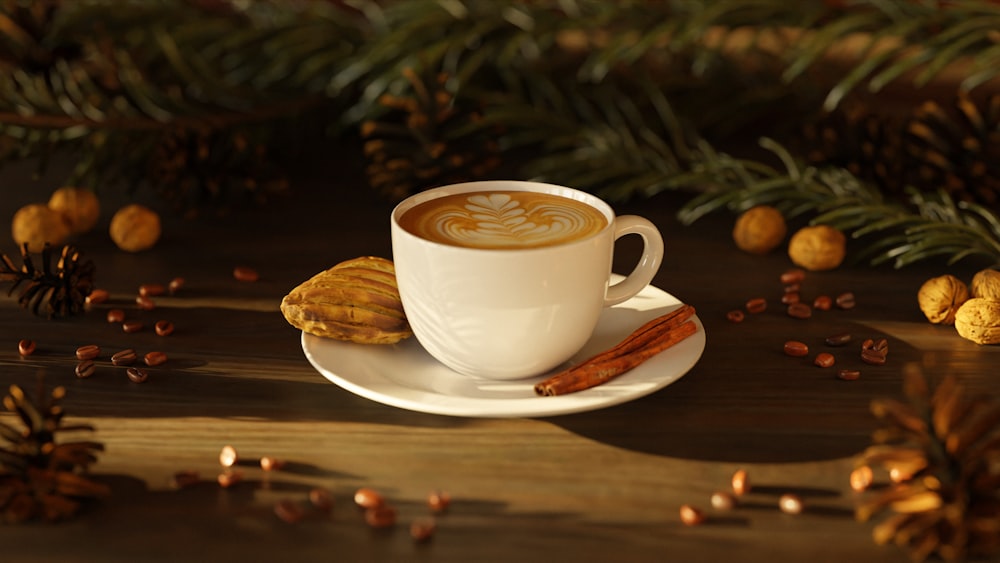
(942, 451)
(426, 139)
(59, 293)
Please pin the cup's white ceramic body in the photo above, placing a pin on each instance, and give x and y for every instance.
(510, 314)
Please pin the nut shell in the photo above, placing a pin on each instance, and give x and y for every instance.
(817, 248)
(978, 320)
(356, 300)
(986, 284)
(759, 230)
(939, 298)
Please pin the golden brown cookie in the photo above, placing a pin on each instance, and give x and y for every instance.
(356, 300)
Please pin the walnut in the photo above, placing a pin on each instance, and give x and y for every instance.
(79, 206)
(986, 284)
(135, 228)
(759, 230)
(939, 298)
(36, 224)
(819, 247)
(978, 320)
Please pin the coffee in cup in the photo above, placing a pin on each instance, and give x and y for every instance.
(507, 279)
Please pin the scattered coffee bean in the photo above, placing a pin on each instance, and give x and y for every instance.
(137, 375)
(229, 478)
(422, 529)
(849, 374)
(368, 498)
(145, 303)
(823, 303)
(97, 296)
(845, 300)
(116, 316)
(741, 482)
(184, 479)
(824, 359)
(796, 348)
(735, 316)
(175, 285)
(793, 288)
(85, 369)
(289, 511)
(793, 276)
(154, 358)
(26, 347)
(381, 516)
(152, 289)
(862, 478)
(721, 500)
(756, 305)
(88, 352)
(799, 311)
(438, 501)
(164, 328)
(873, 358)
(790, 504)
(321, 499)
(132, 326)
(691, 516)
(124, 358)
(881, 346)
(228, 456)
(838, 339)
(245, 274)
(268, 463)
(790, 298)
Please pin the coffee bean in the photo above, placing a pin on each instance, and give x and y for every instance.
(164, 328)
(152, 289)
(289, 511)
(97, 296)
(88, 352)
(799, 311)
(824, 359)
(756, 305)
(848, 374)
(438, 501)
(790, 298)
(145, 303)
(229, 478)
(245, 274)
(793, 276)
(823, 303)
(132, 326)
(321, 499)
(268, 463)
(721, 500)
(116, 316)
(154, 358)
(124, 358)
(790, 504)
(792, 288)
(882, 346)
(137, 375)
(741, 482)
(838, 339)
(422, 529)
(228, 456)
(380, 516)
(368, 498)
(184, 479)
(872, 357)
(691, 516)
(85, 369)
(175, 285)
(26, 347)
(796, 348)
(845, 300)
(735, 316)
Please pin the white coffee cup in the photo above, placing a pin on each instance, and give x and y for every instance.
(512, 312)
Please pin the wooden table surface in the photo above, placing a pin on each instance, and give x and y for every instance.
(604, 485)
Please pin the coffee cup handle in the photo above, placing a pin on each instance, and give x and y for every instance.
(649, 262)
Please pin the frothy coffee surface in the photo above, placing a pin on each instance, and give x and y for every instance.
(503, 220)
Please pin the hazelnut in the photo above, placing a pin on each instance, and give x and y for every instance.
(978, 320)
(818, 247)
(986, 284)
(759, 230)
(36, 224)
(939, 298)
(135, 228)
(78, 206)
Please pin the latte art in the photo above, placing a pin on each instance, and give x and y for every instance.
(503, 220)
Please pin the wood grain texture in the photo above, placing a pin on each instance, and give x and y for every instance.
(598, 486)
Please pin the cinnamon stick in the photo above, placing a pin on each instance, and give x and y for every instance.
(643, 343)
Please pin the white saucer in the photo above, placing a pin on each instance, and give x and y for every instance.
(405, 376)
